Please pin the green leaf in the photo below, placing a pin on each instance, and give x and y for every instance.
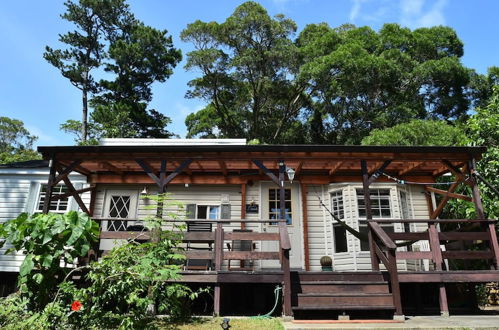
(27, 265)
(47, 260)
(38, 278)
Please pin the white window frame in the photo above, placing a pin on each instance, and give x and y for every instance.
(363, 219)
(340, 213)
(290, 200)
(39, 205)
(209, 206)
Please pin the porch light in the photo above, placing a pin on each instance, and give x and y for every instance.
(144, 191)
(291, 173)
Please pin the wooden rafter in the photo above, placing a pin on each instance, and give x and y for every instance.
(111, 167)
(223, 167)
(298, 168)
(410, 167)
(335, 168)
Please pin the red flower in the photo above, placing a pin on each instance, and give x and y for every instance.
(76, 306)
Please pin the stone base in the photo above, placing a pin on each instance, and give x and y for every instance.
(444, 313)
(343, 317)
(399, 318)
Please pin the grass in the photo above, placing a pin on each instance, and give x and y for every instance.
(235, 323)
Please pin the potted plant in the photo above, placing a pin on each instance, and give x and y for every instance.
(327, 264)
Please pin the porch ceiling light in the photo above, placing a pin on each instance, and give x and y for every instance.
(144, 191)
(291, 173)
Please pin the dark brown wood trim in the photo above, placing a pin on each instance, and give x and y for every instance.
(304, 207)
(67, 171)
(243, 204)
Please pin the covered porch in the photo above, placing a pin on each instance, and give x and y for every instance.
(242, 165)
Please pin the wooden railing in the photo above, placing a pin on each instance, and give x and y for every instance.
(217, 239)
(384, 245)
(434, 236)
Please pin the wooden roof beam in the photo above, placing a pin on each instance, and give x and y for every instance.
(410, 167)
(223, 167)
(111, 168)
(335, 168)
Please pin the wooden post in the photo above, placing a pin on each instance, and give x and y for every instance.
(285, 258)
(369, 215)
(437, 260)
(50, 186)
(304, 192)
(491, 230)
(394, 282)
(243, 205)
(219, 241)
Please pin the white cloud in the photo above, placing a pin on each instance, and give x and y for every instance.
(413, 14)
(354, 12)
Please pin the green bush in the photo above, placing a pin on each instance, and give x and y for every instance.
(47, 240)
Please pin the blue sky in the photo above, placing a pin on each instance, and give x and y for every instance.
(34, 91)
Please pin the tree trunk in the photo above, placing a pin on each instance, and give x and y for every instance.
(84, 123)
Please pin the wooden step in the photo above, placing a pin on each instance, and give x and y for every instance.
(341, 308)
(339, 301)
(337, 276)
(334, 287)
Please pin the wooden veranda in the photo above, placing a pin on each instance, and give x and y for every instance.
(312, 164)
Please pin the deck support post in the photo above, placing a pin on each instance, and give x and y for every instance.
(219, 241)
(285, 257)
(50, 186)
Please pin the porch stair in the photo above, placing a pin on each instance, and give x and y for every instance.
(340, 291)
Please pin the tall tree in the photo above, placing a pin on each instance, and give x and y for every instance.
(361, 79)
(139, 55)
(247, 65)
(85, 48)
(16, 142)
(109, 40)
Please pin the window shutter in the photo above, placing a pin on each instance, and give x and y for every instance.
(190, 211)
(225, 211)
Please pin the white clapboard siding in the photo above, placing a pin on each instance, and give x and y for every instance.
(19, 189)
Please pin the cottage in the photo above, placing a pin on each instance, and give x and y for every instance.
(266, 214)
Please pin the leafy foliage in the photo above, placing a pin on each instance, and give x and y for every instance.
(484, 130)
(47, 240)
(328, 85)
(16, 142)
(418, 133)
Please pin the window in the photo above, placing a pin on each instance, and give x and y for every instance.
(56, 205)
(275, 205)
(211, 212)
(339, 232)
(119, 207)
(380, 206)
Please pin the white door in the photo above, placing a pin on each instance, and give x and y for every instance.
(270, 210)
(120, 204)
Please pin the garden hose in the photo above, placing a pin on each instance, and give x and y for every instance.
(268, 315)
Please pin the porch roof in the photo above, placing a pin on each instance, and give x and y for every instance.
(234, 163)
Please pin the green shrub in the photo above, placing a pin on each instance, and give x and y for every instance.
(47, 240)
